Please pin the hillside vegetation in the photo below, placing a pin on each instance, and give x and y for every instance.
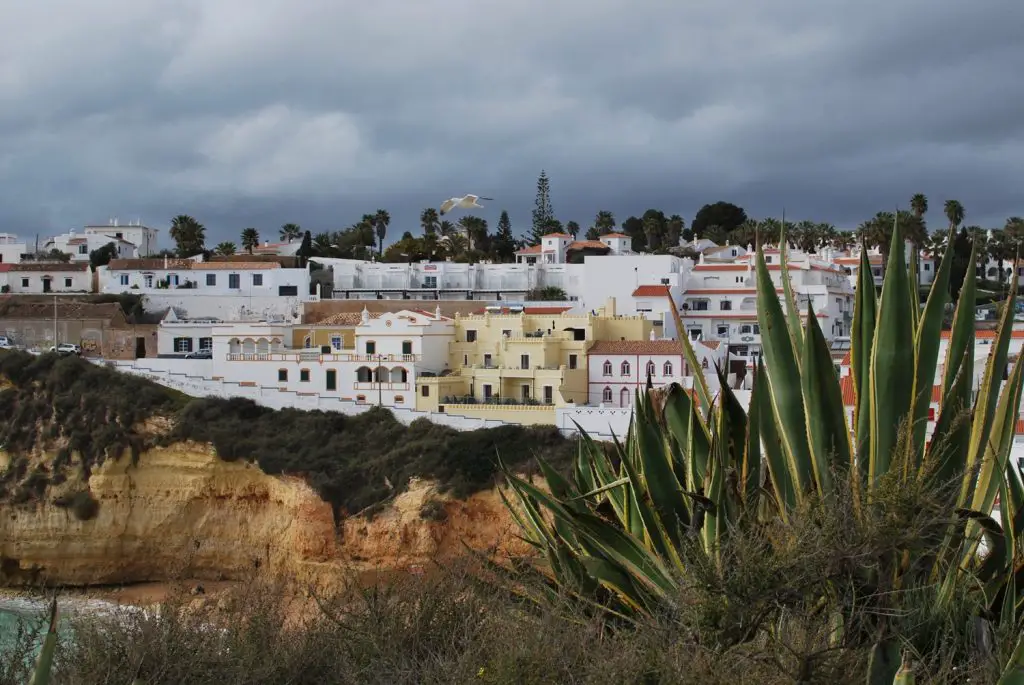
(82, 414)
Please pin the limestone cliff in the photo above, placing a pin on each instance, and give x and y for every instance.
(180, 511)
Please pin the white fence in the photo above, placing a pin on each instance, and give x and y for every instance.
(157, 371)
(600, 423)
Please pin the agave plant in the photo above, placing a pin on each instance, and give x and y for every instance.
(696, 466)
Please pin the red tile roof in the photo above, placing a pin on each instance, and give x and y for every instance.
(582, 244)
(4, 268)
(651, 291)
(51, 266)
(557, 235)
(660, 347)
(615, 235)
(533, 249)
(847, 388)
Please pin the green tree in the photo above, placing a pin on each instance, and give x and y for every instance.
(446, 228)
(954, 212)
(652, 232)
(549, 293)
(475, 230)
(305, 250)
(724, 214)
(919, 205)
(961, 265)
(250, 239)
(323, 245)
(225, 249)
(455, 245)
(573, 229)
(543, 212)
(430, 222)
(290, 232)
(503, 246)
(593, 233)
(188, 234)
(634, 228)
(877, 231)
(674, 228)
(381, 220)
(604, 222)
(101, 256)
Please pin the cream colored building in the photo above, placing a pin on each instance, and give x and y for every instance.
(519, 367)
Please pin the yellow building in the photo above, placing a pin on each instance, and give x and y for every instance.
(337, 331)
(520, 366)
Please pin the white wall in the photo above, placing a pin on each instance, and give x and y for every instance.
(225, 307)
(143, 237)
(618, 276)
(213, 281)
(80, 281)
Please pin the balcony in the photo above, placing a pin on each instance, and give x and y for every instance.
(381, 386)
(315, 355)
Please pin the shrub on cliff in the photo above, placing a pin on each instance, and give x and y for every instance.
(357, 461)
(354, 462)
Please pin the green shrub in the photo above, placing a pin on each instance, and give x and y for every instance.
(84, 506)
(93, 411)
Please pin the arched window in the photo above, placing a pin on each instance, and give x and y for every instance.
(607, 396)
(624, 369)
(607, 368)
(650, 369)
(307, 342)
(399, 399)
(364, 375)
(666, 370)
(624, 398)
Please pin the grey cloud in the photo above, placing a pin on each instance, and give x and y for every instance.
(266, 111)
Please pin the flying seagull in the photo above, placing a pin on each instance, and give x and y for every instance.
(468, 202)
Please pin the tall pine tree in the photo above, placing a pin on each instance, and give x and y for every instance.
(543, 213)
(503, 245)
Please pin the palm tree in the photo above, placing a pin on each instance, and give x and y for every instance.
(954, 212)
(189, 234)
(1014, 230)
(380, 225)
(456, 244)
(573, 229)
(323, 244)
(429, 221)
(225, 249)
(250, 239)
(604, 222)
(919, 205)
(446, 228)
(290, 232)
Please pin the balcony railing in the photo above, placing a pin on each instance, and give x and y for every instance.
(317, 355)
(381, 386)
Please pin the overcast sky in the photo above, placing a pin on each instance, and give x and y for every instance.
(259, 112)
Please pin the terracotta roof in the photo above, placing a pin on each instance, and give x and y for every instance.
(534, 249)
(724, 291)
(188, 265)
(710, 344)
(51, 266)
(4, 268)
(651, 291)
(849, 395)
(314, 312)
(345, 319)
(615, 235)
(661, 347)
(936, 394)
(528, 310)
(556, 235)
(987, 335)
(847, 358)
(582, 244)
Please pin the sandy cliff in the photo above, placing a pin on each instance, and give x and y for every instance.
(182, 512)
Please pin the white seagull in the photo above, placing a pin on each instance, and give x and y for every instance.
(467, 202)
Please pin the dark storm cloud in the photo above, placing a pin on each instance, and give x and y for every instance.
(316, 111)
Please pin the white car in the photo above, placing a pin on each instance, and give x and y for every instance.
(67, 348)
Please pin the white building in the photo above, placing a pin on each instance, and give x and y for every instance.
(12, 249)
(617, 369)
(80, 245)
(720, 302)
(145, 276)
(554, 248)
(50, 277)
(142, 237)
(390, 351)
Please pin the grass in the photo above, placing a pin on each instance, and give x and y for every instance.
(78, 409)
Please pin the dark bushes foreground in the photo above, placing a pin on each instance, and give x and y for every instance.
(354, 462)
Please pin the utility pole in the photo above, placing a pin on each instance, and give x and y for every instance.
(380, 386)
(55, 321)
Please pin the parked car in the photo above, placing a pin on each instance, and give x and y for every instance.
(205, 353)
(6, 343)
(67, 348)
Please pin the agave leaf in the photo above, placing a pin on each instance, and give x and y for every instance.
(785, 491)
(750, 475)
(1013, 674)
(783, 375)
(913, 288)
(892, 364)
(947, 453)
(699, 382)
(865, 313)
(658, 479)
(44, 662)
(998, 444)
(928, 342)
(996, 556)
(961, 337)
(680, 415)
(986, 406)
(792, 310)
(828, 434)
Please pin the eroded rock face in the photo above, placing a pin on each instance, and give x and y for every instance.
(182, 512)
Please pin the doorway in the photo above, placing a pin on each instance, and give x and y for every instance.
(140, 348)
(332, 379)
(47, 284)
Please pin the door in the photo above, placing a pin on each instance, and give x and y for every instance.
(47, 284)
(140, 348)
(332, 379)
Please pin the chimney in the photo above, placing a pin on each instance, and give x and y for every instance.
(609, 307)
